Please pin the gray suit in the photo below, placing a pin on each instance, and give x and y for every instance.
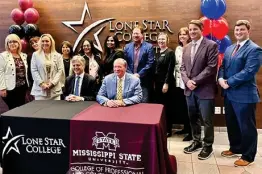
(132, 92)
(201, 100)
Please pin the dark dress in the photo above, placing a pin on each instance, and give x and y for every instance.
(66, 66)
(109, 61)
(165, 63)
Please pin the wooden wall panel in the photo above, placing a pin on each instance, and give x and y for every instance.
(177, 12)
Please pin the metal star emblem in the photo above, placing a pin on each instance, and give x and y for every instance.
(69, 24)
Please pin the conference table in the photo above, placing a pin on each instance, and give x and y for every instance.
(59, 137)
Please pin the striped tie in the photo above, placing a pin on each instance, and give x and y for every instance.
(119, 95)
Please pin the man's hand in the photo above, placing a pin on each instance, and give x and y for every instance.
(165, 88)
(191, 84)
(223, 83)
(73, 98)
(137, 75)
(111, 104)
(120, 103)
(3, 93)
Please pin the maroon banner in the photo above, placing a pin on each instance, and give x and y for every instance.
(128, 140)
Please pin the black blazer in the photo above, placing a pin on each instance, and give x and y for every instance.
(87, 88)
(108, 62)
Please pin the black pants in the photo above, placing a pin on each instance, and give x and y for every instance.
(15, 97)
(166, 100)
(206, 109)
(181, 110)
(241, 128)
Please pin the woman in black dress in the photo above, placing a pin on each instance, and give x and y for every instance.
(112, 52)
(93, 61)
(164, 79)
(67, 54)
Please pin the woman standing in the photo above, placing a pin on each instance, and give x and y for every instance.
(164, 79)
(181, 105)
(47, 70)
(112, 52)
(13, 72)
(67, 54)
(93, 61)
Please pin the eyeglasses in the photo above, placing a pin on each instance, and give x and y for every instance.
(12, 41)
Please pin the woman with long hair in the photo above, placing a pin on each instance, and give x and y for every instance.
(112, 52)
(47, 70)
(66, 50)
(93, 61)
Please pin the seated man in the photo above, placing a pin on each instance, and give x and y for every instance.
(79, 86)
(120, 88)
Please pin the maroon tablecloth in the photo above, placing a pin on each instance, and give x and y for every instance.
(127, 140)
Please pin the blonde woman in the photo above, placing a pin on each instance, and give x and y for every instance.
(13, 72)
(164, 79)
(47, 69)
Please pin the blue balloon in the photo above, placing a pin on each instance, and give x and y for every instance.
(213, 9)
(222, 44)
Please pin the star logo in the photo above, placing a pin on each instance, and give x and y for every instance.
(11, 142)
(69, 24)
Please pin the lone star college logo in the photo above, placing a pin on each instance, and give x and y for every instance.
(69, 24)
(10, 142)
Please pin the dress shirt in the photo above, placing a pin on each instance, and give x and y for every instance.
(242, 43)
(80, 82)
(198, 42)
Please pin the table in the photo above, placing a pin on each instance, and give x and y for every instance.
(85, 138)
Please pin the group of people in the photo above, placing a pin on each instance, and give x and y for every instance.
(184, 80)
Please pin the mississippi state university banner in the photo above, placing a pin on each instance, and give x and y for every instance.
(58, 137)
(128, 140)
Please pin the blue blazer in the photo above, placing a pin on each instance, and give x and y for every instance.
(145, 62)
(132, 93)
(239, 71)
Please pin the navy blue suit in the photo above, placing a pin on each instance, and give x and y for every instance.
(145, 65)
(241, 97)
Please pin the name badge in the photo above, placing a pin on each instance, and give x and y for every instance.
(162, 55)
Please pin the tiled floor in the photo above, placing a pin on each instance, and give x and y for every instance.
(216, 164)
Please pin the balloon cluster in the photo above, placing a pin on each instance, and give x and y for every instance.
(27, 14)
(215, 26)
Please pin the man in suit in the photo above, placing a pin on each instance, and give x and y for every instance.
(79, 86)
(237, 78)
(198, 70)
(140, 59)
(120, 88)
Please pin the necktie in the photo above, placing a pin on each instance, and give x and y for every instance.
(136, 57)
(235, 50)
(193, 52)
(119, 94)
(77, 86)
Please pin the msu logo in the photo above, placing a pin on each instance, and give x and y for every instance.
(102, 141)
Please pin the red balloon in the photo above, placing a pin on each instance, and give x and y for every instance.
(220, 28)
(24, 45)
(220, 59)
(18, 16)
(31, 16)
(25, 4)
(207, 26)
